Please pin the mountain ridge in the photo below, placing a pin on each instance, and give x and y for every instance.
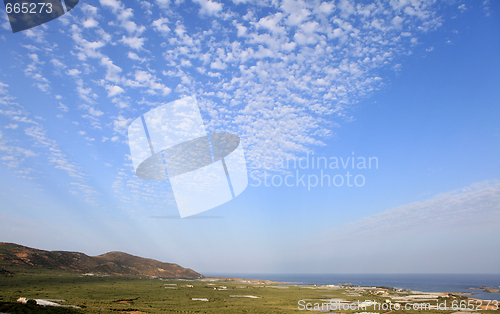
(18, 257)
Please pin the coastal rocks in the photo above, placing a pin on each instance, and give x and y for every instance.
(487, 289)
(490, 290)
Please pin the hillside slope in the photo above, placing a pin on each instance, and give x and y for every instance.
(17, 257)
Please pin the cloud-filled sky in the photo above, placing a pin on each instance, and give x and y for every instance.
(389, 110)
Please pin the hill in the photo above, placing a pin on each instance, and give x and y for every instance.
(14, 257)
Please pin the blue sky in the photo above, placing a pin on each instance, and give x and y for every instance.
(413, 84)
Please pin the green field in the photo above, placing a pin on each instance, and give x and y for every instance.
(115, 294)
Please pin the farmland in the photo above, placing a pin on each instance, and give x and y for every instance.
(94, 293)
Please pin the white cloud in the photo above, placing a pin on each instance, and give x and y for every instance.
(325, 8)
(134, 56)
(218, 65)
(63, 107)
(87, 49)
(14, 156)
(209, 7)
(85, 93)
(132, 27)
(272, 24)
(73, 72)
(95, 112)
(289, 46)
(34, 71)
(112, 70)
(346, 8)
(163, 3)
(120, 124)
(124, 16)
(133, 42)
(88, 9)
(143, 76)
(303, 39)
(297, 12)
(161, 26)
(90, 23)
(148, 80)
(113, 4)
(114, 90)
(57, 63)
(475, 208)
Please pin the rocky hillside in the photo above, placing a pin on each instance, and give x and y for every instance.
(14, 257)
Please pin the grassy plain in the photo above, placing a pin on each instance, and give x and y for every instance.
(121, 294)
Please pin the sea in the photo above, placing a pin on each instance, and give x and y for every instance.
(454, 283)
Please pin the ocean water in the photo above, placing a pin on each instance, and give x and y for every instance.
(455, 283)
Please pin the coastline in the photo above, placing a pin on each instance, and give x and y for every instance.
(472, 286)
(243, 280)
(387, 298)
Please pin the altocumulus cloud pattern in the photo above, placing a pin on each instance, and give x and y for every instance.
(205, 170)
